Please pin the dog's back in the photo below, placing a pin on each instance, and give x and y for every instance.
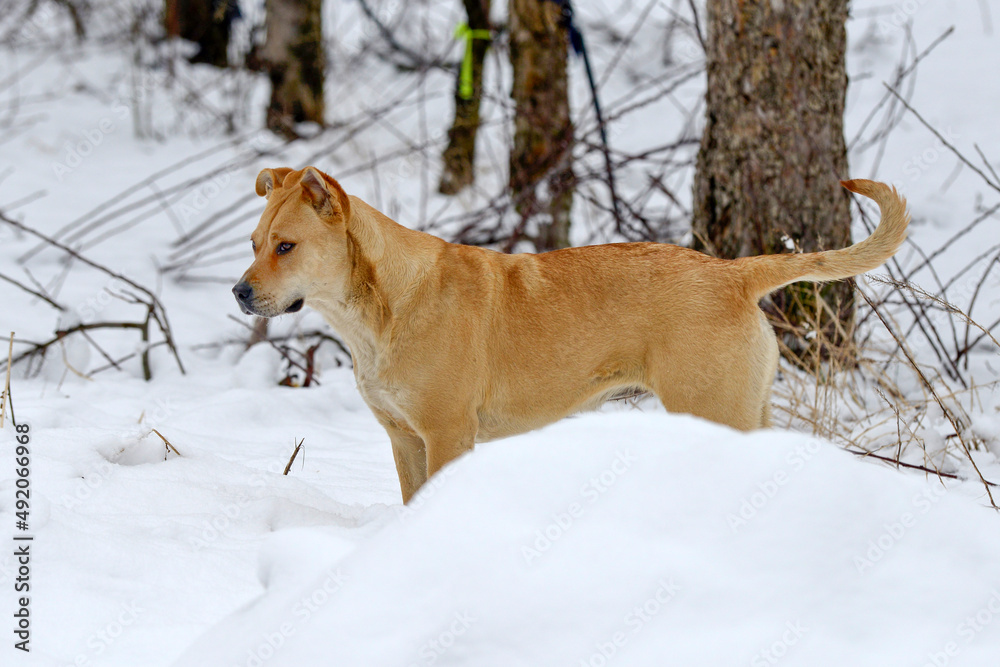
(582, 324)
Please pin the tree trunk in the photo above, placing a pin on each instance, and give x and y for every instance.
(459, 156)
(204, 22)
(541, 174)
(294, 59)
(773, 151)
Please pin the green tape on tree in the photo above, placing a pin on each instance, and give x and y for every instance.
(463, 31)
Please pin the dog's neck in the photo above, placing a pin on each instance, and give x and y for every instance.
(387, 264)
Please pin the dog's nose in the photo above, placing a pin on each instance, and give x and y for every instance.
(243, 291)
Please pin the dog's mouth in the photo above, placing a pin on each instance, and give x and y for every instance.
(296, 306)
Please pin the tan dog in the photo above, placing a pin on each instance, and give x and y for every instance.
(455, 344)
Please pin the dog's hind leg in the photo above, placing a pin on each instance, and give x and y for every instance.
(770, 370)
(726, 387)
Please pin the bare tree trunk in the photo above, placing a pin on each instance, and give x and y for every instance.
(204, 22)
(294, 59)
(541, 173)
(773, 150)
(459, 156)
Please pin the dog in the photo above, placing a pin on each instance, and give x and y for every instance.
(454, 345)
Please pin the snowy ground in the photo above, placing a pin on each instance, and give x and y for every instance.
(626, 537)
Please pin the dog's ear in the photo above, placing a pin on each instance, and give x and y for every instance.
(269, 179)
(326, 195)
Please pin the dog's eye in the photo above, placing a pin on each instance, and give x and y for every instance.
(253, 245)
(285, 247)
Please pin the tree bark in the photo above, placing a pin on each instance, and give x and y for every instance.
(294, 59)
(541, 173)
(460, 154)
(204, 22)
(773, 151)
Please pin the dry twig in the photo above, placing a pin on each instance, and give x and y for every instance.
(295, 453)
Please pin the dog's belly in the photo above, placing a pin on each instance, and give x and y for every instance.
(501, 420)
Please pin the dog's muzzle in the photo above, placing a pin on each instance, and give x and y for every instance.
(244, 296)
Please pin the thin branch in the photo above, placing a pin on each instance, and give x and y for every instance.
(949, 308)
(167, 446)
(282, 352)
(295, 453)
(27, 289)
(160, 317)
(913, 466)
(697, 25)
(958, 154)
(930, 388)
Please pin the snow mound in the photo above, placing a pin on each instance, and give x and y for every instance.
(638, 539)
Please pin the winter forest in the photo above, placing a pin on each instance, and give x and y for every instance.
(186, 482)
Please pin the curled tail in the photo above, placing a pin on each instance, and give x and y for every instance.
(765, 273)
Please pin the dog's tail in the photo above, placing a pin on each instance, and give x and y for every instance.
(765, 273)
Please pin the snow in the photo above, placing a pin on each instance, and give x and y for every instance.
(626, 537)
(634, 537)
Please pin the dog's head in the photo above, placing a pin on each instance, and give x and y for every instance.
(300, 245)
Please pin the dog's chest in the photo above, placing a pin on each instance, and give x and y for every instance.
(379, 395)
(369, 367)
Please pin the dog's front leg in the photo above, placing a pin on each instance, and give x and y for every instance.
(447, 444)
(411, 460)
